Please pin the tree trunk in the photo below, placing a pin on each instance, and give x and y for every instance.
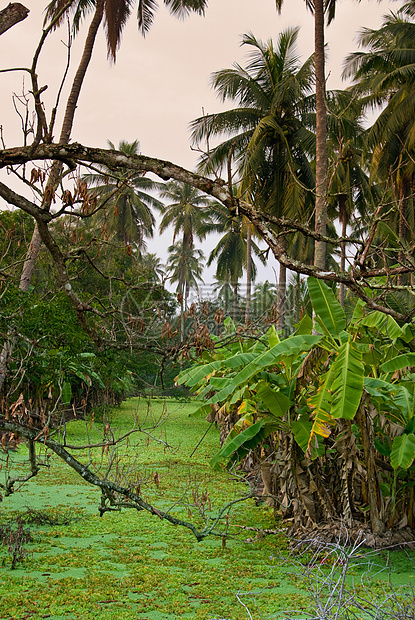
(53, 180)
(80, 74)
(402, 229)
(182, 285)
(248, 273)
(235, 301)
(12, 15)
(67, 125)
(343, 218)
(321, 136)
(366, 429)
(282, 290)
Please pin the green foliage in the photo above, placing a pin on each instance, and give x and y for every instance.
(306, 384)
(328, 310)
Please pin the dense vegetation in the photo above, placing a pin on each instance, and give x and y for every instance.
(312, 381)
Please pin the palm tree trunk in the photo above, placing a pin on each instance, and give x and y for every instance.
(248, 273)
(402, 230)
(235, 301)
(321, 136)
(81, 72)
(282, 289)
(67, 125)
(53, 179)
(343, 218)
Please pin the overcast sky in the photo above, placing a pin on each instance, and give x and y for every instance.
(160, 83)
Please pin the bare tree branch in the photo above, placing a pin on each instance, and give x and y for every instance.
(357, 279)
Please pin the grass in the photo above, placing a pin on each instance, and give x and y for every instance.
(131, 565)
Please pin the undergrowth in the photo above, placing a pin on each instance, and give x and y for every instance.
(130, 565)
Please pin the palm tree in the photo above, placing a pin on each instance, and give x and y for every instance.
(231, 252)
(115, 14)
(187, 212)
(124, 199)
(152, 265)
(224, 294)
(263, 298)
(320, 8)
(384, 74)
(349, 187)
(268, 130)
(185, 266)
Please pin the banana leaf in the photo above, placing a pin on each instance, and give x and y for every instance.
(192, 376)
(295, 345)
(399, 362)
(326, 306)
(403, 451)
(321, 405)
(274, 400)
(348, 380)
(243, 442)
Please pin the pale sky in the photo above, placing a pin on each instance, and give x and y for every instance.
(160, 83)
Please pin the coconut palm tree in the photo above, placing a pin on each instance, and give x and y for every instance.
(185, 266)
(188, 213)
(232, 252)
(320, 8)
(384, 74)
(349, 187)
(117, 12)
(268, 131)
(126, 204)
(152, 265)
(114, 14)
(264, 297)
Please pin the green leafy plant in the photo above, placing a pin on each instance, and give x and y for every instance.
(324, 407)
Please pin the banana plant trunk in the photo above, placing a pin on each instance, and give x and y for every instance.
(365, 424)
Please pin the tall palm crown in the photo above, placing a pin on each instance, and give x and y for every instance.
(232, 254)
(117, 12)
(270, 129)
(186, 212)
(185, 266)
(126, 204)
(272, 95)
(385, 75)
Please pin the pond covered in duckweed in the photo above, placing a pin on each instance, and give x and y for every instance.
(132, 565)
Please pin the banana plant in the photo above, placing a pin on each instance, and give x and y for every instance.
(256, 380)
(331, 374)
